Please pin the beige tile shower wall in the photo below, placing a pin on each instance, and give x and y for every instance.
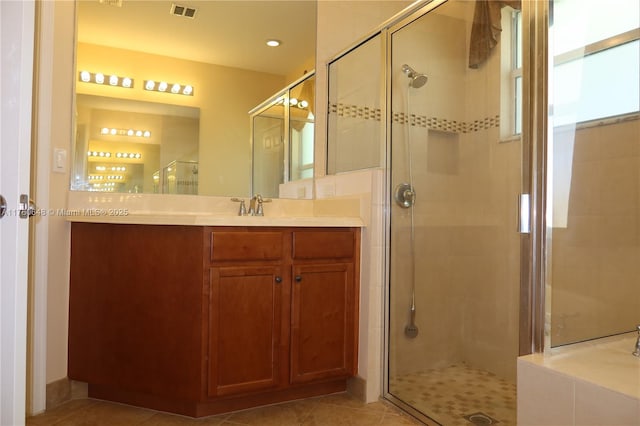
(596, 242)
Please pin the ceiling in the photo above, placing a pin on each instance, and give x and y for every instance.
(223, 32)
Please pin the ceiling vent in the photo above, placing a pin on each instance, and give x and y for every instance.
(187, 12)
(117, 3)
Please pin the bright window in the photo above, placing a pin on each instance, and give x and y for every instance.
(596, 60)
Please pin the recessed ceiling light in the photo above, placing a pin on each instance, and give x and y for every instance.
(273, 43)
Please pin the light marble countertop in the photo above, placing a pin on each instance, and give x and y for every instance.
(150, 209)
(216, 220)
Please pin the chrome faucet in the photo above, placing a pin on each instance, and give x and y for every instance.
(242, 211)
(637, 351)
(255, 206)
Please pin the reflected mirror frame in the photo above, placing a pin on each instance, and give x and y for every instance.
(264, 106)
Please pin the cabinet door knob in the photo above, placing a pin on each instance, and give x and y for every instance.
(298, 278)
(278, 280)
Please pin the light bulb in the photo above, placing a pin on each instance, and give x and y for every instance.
(162, 86)
(85, 76)
(126, 82)
(150, 85)
(99, 78)
(113, 80)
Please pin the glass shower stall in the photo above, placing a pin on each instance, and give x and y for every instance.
(510, 148)
(441, 96)
(454, 253)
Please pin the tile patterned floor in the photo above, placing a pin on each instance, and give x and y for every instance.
(447, 395)
(332, 410)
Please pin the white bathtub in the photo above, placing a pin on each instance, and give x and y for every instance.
(590, 383)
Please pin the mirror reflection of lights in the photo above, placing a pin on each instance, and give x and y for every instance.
(129, 155)
(125, 132)
(300, 103)
(103, 177)
(112, 168)
(99, 154)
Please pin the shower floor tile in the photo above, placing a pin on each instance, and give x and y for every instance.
(448, 394)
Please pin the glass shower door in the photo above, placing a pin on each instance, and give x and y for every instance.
(454, 256)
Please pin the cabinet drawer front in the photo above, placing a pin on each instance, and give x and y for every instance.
(245, 246)
(323, 244)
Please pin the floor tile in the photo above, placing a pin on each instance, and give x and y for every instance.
(332, 410)
(56, 414)
(449, 394)
(104, 413)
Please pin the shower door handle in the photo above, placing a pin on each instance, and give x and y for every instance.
(524, 216)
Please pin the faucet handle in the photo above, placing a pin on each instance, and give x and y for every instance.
(259, 202)
(242, 211)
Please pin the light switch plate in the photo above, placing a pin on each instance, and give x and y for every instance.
(59, 160)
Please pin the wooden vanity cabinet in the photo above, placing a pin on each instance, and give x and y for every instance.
(202, 320)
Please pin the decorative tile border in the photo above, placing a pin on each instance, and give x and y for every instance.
(356, 111)
(432, 123)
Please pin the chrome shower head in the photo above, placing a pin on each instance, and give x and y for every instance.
(417, 80)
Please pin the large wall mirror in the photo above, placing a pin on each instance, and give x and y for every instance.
(164, 90)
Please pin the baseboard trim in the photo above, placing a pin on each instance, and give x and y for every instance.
(63, 390)
(357, 387)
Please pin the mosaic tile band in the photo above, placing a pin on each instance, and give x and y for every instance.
(432, 123)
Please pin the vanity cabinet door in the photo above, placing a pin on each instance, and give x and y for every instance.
(245, 326)
(323, 322)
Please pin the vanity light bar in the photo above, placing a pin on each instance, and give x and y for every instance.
(164, 87)
(105, 80)
(125, 132)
